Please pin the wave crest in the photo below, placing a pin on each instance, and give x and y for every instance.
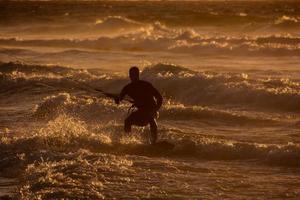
(196, 88)
(119, 23)
(157, 37)
(66, 132)
(287, 21)
(176, 83)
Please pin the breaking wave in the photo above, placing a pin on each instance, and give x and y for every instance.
(84, 174)
(117, 23)
(69, 133)
(157, 37)
(192, 87)
(176, 83)
(95, 109)
(287, 21)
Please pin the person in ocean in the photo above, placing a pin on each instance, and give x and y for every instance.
(146, 99)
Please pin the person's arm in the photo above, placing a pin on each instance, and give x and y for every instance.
(121, 96)
(158, 98)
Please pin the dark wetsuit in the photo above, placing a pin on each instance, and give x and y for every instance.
(147, 100)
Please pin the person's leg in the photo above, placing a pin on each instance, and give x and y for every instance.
(153, 130)
(135, 118)
(141, 118)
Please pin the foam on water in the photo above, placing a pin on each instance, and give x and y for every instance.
(175, 82)
(158, 38)
(78, 175)
(67, 133)
(117, 23)
(93, 109)
(195, 88)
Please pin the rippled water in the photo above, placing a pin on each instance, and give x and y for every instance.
(229, 74)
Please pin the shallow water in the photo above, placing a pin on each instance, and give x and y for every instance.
(230, 81)
(7, 187)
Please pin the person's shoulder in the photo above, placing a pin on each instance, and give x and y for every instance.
(128, 84)
(145, 82)
(147, 85)
(126, 87)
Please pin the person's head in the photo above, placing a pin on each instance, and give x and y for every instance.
(134, 74)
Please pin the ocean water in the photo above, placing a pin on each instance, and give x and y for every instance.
(229, 73)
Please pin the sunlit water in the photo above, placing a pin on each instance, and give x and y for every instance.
(230, 80)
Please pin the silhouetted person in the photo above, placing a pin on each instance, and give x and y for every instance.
(146, 99)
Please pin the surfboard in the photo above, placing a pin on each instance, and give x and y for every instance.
(163, 145)
(160, 148)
